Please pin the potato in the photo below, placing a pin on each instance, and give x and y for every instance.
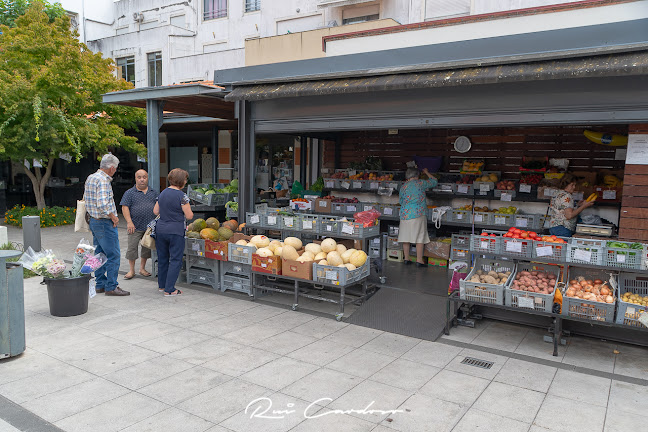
(492, 274)
(479, 272)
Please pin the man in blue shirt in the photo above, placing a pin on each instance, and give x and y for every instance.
(137, 208)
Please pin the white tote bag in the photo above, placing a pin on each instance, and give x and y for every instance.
(80, 223)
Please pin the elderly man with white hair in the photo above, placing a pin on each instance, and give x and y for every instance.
(100, 205)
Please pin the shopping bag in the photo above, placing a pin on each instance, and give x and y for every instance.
(81, 222)
(147, 240)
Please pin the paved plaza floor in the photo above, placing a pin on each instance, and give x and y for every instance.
(197, 362)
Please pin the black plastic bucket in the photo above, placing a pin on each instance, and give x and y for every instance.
(68, 297)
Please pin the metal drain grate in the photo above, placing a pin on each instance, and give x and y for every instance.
(477, 363)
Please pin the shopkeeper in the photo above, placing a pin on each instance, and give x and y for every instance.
(413, 213)
(562, 211)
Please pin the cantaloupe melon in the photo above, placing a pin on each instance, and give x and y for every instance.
(350, 266)
(241, 242)
(305, 258)
(278, 250)
(323, 262)
(346, 256)
(358, 258)
(264, 252)
(320, 256)
(313, 248)
(334, 258)
(341, 249)
(274, 244)
(328, 245)
(289, 252)
(260, 241)
(294, 242)
(309, 254)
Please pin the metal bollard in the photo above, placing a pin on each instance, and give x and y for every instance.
(12, 306)
(31, 232)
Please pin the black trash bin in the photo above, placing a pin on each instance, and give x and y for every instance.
(68, 297)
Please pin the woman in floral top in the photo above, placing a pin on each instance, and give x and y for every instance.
(413, 219)
(563, 214)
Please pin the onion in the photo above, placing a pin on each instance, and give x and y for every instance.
(609, 299)
(598, 281)
(605, 291)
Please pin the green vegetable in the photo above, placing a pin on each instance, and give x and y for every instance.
(638, 246)
(318, 186)
(618, 245)
(233, 205)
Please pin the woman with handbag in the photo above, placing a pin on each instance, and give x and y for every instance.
(174, 209)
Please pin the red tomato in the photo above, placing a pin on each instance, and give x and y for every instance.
(493, 235)
(484, 234)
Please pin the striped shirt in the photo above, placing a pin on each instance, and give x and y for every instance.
(99, 195)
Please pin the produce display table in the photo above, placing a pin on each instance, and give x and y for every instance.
(290, 285)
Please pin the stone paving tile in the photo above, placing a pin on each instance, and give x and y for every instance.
(405, 374)
(6, 427)
(354, 335)
(581, 387)
(170, 420)
(222, 326)
(174, 341)
(260, 313)
(467, 334)
(489, 374)
(232, 307)
(240, 361)
(322, 386)
(114, 415)
(321, 353)
(62, 340)
(533, 345)
(580, 417)
(26, 365)
(250, 418)
(626, 397)
(486, 422)
(361, 363)
(284, 343)
(145, 333)
(147, 372)
(205, 351)
(425, 414)
(251, 335)
(371, 395)
(329, 420)
(391, 344)
(64, 403)
(502, 336)
(591, 354)
(288, 320)
(632, 365)
(184, 385)
(165, 314)
(432, 354)
(509, 401)
(319, 327)
(527, 375)
(279, 373)
(194, 320)
(620, 421)
(455, 387)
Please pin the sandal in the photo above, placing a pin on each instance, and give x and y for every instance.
(129, 278)
(145, 273)
(173, 294)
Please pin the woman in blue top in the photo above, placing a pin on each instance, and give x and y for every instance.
(413, 213)
(174, 210)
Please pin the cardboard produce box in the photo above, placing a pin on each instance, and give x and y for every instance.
(437, 249)
(271, 265)
(218, 250)
(297, 269)
(323, 205)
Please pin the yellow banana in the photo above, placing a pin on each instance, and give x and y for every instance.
(606, 139)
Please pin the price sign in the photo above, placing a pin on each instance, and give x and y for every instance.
(483, 245)
(329, 228)
(331, 275)
(351, 208)
(345, 184)
(609, 194)
(500, 220)
(264, 265)
(506, 196)
(347, 228)
(513, 246)
(392, 185)
(620, 258)
(195, 247)
(525, 302)
(307, 225)
(543, 251)
(521, 222)
(374, 185)
(460, 216)
(525, 188)
(484, 187)
(357, 185)
(643, 319)
(368, 207)
(462, 189)
(330, 183)
(254, 219)
(322, 203)
(479, 218)
(352, 172)
(388, 211)
(289, 222)
(582, 255)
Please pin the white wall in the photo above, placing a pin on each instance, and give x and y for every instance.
(97, 15)
(489, 6)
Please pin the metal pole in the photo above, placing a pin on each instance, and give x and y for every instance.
(246, 159)
(337, 156)
(302, 160)
(214, 143)
(153, 125)
(31, 232)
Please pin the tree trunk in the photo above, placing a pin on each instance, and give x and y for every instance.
(39, 181)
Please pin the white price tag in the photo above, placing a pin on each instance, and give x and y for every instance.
(460, 216)
(484, 187)
(578, 196)
(195, 247)
(506, 196)
(513, 246)
(347, 228)
(462, 189)
(307, 225)
(351, 208)
(322, 203)
(500, 220)
(329, 228)
(551, 192)
(289, 222)
(330, 184)
(351, 172)
(392, 185)
(264, 265)
(357, 185)
(388, 211)
(479, 218)
(643, 319)
(368, 207)
(630, 311)
(620, 258)
(461, 254)
(331, 275)
(374, 185)
(521, 222)
(254, 219)
(345, 185)
(609, 194)
(582, 255)
(543, 251)
(272, 220)
(525, 188)
(525, 302)
(483, 245)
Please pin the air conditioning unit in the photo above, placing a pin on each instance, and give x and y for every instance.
(138, 17)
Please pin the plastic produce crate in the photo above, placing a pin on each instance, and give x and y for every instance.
(358, 230)
(254, 220)
(390, 211)
(486, 245)
(239, 269)
(623, 257)
(308, 223)
(290, 222)
(340, 276)
(460, 254)
(483, 218)
(203, 263)
(628, 313)
(392, 243)
(529, 300)
(373, 185)
(465, 189)
(483, 292)
(331, 183)
(461, 241)
(586, 251)
(374, 253)
(234, 282)
(350, 208)
(240, 254)
(272, 220)
(587, 309)
(358, 185)
(392, 184)
(195, 247)
(206, 277)
(231, 213)
(200, 197)
(526, 222)
(558, 251)
(461, 216)
(497, 193)
(502, 219)
(329, 225)
(522, 248)
(337, 208)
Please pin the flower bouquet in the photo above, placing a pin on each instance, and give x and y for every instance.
(83, 251)
(44, 263)
(93, 262)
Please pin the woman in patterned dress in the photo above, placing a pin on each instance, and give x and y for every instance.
(562, 211)
(413, 214)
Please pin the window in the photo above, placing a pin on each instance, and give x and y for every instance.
(360, 19)
(252, 5)
(215, 9)
(155, 68)
(126, 68)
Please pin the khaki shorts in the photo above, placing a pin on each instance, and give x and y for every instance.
(133, 246)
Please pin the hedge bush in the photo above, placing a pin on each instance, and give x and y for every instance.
(49, 216)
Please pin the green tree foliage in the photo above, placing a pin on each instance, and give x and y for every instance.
(50, 97)
(10, 10)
